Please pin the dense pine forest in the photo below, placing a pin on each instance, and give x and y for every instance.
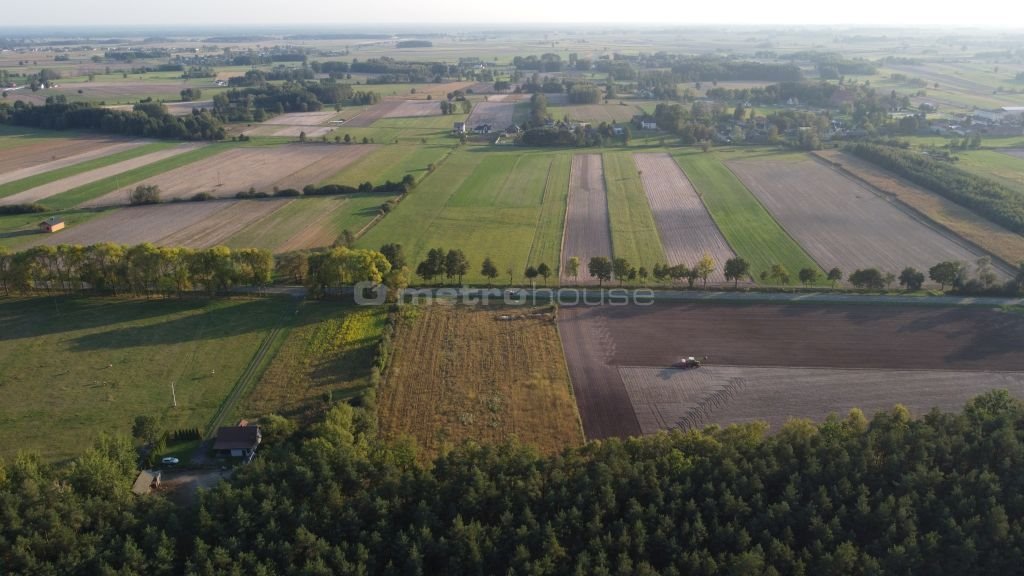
(941, 494)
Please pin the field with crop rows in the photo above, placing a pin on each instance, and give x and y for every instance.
(586, 232)
(634, 233)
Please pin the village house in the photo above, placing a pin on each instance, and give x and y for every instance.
(237, 441)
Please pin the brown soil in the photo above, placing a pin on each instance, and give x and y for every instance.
(44, 156)
(686, 229)
(586, 219)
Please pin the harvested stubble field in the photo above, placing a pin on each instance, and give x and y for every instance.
(305, 223)
(370, 115)
(686, 229)
(586, 232)
(599, 340)
(238, 170)
(40, 156)
(137, 224)
(671, 398)
(415, 109)
(498, 114)
(74, 368)
(959, 220)
(464, 374)
(221, 225)
(301, 119)
(597, 113)
(329, 351)
(64, 184)
(842, 223)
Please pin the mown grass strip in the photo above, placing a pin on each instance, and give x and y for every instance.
(634, 233)
(11, 188)
(77, 196)
(748, 227)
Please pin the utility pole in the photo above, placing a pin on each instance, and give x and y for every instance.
(174, 397)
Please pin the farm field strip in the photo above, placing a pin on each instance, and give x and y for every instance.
(391, 162)
(221, 225)
(749, 229)
(634, 233)
(671, 398)
(956, 218)
(460, 373)
(415, 109)
(300, 119)
(34, 159)
(239, 169)
(136, 225)
(685, 226)
(840, 222)
(297, 131)
(370, 115)
(498, 114)
(63, 185)
(586, 233)
(597, 113)
(306, 218)
(619, 357)
(488, 205)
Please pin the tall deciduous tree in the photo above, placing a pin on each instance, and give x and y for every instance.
(808, 276)
(600, 267)
(544, 271)
(489, 270)
(705, 266)
(736, 269)
(835, 275)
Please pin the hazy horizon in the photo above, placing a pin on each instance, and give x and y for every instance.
(321, 13)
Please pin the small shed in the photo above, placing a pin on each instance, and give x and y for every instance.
(52, 224)
(459, 128)
(146, 482)
(648, 125)
(237, 441)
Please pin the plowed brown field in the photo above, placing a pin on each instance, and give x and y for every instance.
(586, 219)
(686, 229)
(599, 341)
(841, 223)
(39, 157)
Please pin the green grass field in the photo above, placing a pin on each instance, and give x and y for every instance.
(1004, 168)
(750, 230)
(634, 233)
(504, 204)
(82, 194)
(75, 367)
(11, 188)
(434, 129)
(393, 162)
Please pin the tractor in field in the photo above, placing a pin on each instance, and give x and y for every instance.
(689, 362)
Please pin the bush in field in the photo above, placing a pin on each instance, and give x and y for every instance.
(144, 194)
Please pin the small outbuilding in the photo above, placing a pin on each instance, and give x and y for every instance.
(237, 441)
(459, 128)
(146, 482)
(52, 224)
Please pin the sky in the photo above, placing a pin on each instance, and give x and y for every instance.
(978, 13)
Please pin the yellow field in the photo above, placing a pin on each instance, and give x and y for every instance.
(463, 374)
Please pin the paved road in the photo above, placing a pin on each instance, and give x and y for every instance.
(570, 296)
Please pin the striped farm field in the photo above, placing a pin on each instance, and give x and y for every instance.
(685, 226)
(84, 177)
(746, 225)
(39, 174)
(505, 205)
(586, 232)
(245, 168)
(841, 222)
(634, 233)
(121, 184)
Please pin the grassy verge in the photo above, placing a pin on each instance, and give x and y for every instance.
(17, 186)
(634, 233)
(750, 230)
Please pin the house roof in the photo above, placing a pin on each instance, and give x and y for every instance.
(52, 220)
(237, 437)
